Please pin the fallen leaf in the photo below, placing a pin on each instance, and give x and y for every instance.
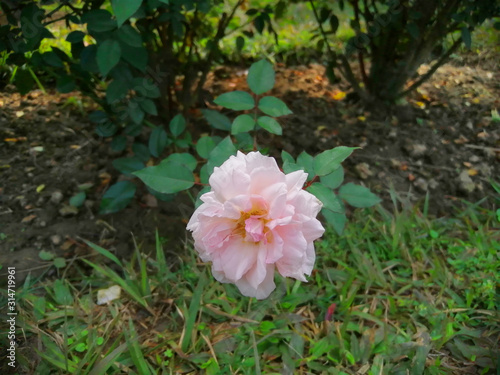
(28, 219)
(482, 135)
(19, 113)
(338, 95)
(472, 171)
(74, 147)
(362, 118)
(420, 104)
(460, 140)
(40, 188)
(67, 244)
(411, 177)
(108, 295)
(18, 139)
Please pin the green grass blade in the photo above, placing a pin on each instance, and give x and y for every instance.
(104, 252)
(194, 307)
(135, 351)
(104, 364)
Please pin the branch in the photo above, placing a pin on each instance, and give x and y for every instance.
(432, 70)
(360, 51)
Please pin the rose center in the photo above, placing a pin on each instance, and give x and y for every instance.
(252, 226)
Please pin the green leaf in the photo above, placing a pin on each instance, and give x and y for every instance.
(466, 37)
(116, 90)
(334, 179)
(289, 167)
(217, 120)
(177, 125)
(65, 84)
(240, 43)
(127, 34)
(148, 106)
(124, 9)
(244, 141)
(24, 81)
(358, 196)
(220, 154)
(242, 124)
(46, 255)
(273, 106)
(52, 59)
(88, 59)
(39, 306)
(334, 23)
(117, 197)
(78, 199)
(62, 293)
(128, 165)
(135, 56)
(75, 37)
(141, 151)
(329, 160)
(204, 146)
(327, 197)
(184, 158)
(106, 129)
(168, 178)
(306, 161)
(413, 29)
(108, 55)
(236, 100)
(261, 77)
(270, 124)
(59, 262)
(98, 20)
(135, 112)
(119, 143)
(184, 142)
(158, 140)
(338, 221)
(98, 117)
(286, 157)
(146, 87)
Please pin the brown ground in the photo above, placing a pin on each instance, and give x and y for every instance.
(443, 142)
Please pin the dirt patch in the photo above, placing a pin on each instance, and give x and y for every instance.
(48, 150)
(443, 142)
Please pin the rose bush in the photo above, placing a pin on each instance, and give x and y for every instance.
(254, 220)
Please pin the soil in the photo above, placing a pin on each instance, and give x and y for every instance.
(442, 142)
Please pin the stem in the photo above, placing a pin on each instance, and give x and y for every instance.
(346, 70)
(328, 47)
(38, 83)
(315, 179)
(360, 52)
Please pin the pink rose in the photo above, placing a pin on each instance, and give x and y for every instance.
(254, 220)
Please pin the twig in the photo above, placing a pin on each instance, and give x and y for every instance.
(483, 148)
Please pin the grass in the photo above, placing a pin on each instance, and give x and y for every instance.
(409, 295)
